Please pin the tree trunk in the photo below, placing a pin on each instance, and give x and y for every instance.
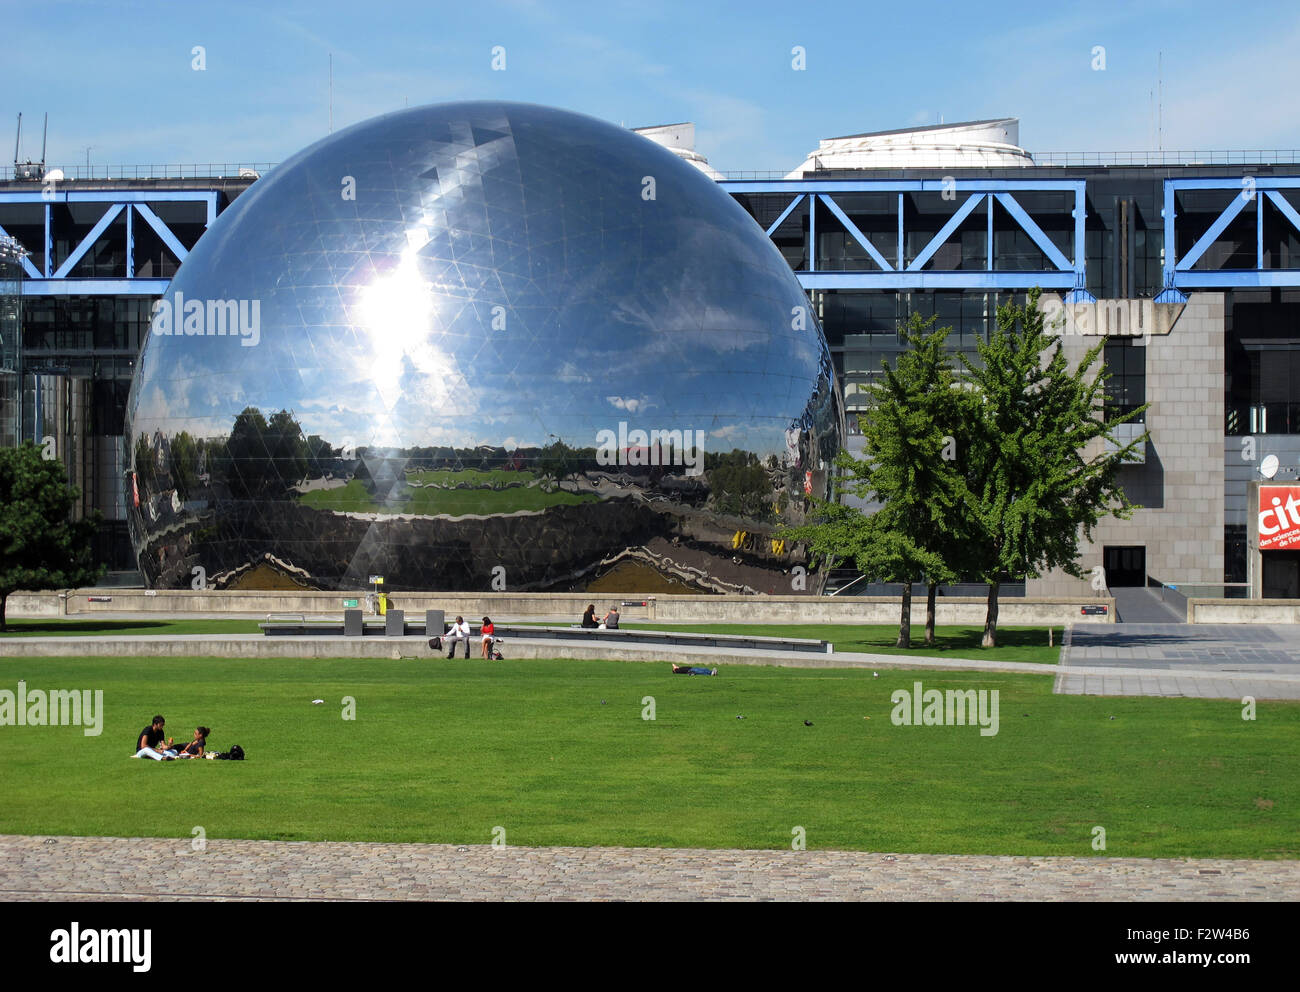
(991, 619)
(4, 601)
(929, 613)
(905, 621)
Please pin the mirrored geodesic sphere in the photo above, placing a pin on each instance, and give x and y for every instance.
(481, 346)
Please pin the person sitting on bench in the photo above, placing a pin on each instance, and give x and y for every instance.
(611, 619)
(589, 618)
(459, 631)
(488, 631)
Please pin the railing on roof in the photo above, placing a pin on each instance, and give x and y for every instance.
(1256, 156)
(209, 170)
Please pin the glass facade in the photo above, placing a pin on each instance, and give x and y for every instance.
(1262, 360)
(480, 346)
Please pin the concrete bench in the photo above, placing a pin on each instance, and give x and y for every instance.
(332, 627)
(624, 635)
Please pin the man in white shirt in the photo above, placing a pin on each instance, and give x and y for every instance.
(459, 631)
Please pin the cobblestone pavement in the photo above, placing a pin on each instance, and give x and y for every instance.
(58, 869)
(1214, 661)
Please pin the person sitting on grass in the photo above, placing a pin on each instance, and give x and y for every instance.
(149, 742)
(194, 749)
(688, 670)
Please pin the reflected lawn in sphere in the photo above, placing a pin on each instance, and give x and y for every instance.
(355, 498)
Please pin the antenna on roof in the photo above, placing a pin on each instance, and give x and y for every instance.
(29, 169)
(1160, 88)
(331, 92)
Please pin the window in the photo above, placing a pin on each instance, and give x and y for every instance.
(1126, 389)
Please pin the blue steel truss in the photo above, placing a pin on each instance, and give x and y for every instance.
(52, 281)
(967, 194)
(1178, 274)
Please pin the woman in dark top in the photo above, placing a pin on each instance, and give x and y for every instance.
(589, 618)
(194, 749)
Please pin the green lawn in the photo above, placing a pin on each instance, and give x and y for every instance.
(1015, 643)
(557, 752)
(1027, 644)
(354, 498)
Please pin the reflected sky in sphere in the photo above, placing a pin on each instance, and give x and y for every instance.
(495, 275)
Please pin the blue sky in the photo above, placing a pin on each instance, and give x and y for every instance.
(118, 76)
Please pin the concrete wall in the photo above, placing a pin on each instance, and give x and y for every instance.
(668, 609)
(1243, 611)
(1181, 483)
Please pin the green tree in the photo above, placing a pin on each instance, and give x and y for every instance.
(184, 464)
(1036, 474)
(287, 448)
(909, 429)
(41, 546)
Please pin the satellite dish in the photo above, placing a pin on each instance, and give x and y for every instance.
(1268, 467)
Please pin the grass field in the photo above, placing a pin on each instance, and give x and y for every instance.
(557, 752)
(1028, 644)
(354, 498)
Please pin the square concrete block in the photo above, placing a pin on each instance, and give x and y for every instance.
(435, 622)
(394, 623)
(353, 623)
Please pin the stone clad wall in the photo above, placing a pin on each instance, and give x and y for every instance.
(667, 609)
(1182, 483)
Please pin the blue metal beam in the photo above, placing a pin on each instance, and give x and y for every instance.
(1288, 211)
(86, 243)
(208, 196)
(94, 287)
(945, 232)
(1035, 232)
(1237, 279)
(28, 267)
(857, 235)
(163, 231)
(1209, 237)
(912, 279)
(784, 214)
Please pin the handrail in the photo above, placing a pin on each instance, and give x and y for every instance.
(849, 586)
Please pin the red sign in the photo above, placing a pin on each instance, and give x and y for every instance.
(1279, 517)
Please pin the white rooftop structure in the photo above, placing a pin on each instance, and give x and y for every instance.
(680, 140)
(991, 143)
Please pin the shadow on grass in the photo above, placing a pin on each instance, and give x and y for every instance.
(55, 627)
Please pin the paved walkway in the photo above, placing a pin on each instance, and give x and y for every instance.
(59, 869)
(1214, 661)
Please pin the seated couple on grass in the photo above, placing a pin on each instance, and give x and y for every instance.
(150, 744)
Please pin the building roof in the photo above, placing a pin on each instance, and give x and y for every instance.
(925, 127)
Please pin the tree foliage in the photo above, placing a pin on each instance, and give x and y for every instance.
(41, 546)
(995, 473)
